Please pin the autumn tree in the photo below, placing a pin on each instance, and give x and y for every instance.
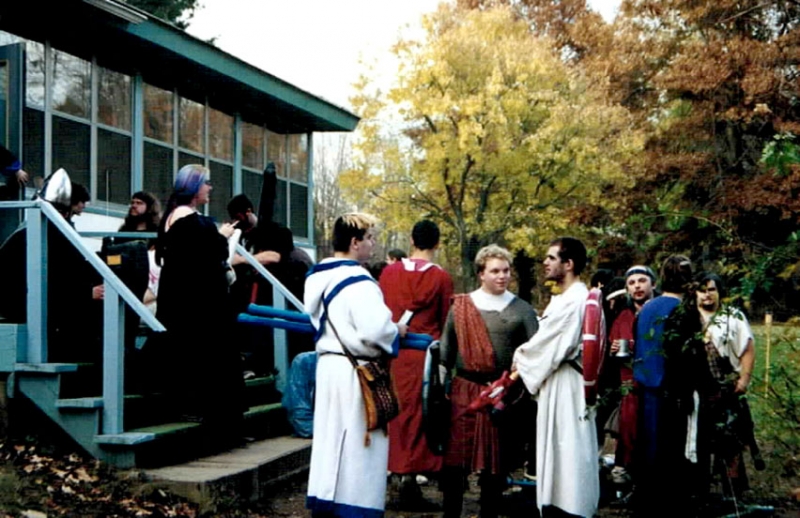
(495, 136)
(716, 82)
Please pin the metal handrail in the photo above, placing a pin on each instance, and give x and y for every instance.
(102, 268)
(116, 295)
(268, 276)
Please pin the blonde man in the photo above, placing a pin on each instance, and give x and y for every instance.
(482, 329)
(348, 472)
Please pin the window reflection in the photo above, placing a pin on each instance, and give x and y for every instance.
(72, 81)
(252, 146)
(276, 152)
(157, 113)
(220, 135)
(6, 38)
(114, 99)
(34, 74)
(298, 157)
(190, 134)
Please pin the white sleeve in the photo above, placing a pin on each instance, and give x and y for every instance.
(557, 340)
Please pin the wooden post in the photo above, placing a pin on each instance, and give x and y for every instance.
(768, 326)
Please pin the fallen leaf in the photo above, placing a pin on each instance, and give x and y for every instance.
(83, 476)
(67, 490)
(30, 513)
(58, 472)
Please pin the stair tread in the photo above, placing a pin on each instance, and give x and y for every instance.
(48, 368)
(82, 402)
(262, 409)
(249, 457)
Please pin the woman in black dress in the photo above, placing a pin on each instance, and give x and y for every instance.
(203, 371)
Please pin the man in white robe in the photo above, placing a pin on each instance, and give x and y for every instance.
(566, 439)
(348, 464)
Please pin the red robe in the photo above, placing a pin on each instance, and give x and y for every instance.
(426, 289)
(622, 328)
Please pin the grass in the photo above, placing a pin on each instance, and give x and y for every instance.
(776, 410)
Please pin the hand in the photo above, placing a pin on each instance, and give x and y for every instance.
(615, 346)
(99, 292)
(22, 177)
(226, 229)
(742, 383)
(402, 329)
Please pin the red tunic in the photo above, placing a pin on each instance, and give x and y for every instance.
(622, 328)
(426, 289)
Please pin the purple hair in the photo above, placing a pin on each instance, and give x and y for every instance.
(189, 180)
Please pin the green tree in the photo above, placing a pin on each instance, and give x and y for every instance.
(177, 12)
(498, 138)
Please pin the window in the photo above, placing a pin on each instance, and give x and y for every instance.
(158, 170)
(113, 166)
(72, 82)
(192, 123)
(33, 141)
(298, 209)
(71, 145)
(114, 99)
(221, 190)
(220, 135)
(279, 211)
(276, 152)
(34, 74)
(252, 146)
(158, 114)
(251, 186)
(298, 157)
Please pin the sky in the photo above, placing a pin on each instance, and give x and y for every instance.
(319, 45)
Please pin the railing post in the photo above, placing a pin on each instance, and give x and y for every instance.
(36, 258)
(113, 360)
(281, 346)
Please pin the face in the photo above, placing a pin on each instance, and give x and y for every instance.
(495, 276)
(246, 219)
(204, 194)
(77, 209)
(137, 208)
(390, 260)
(640, 288)
(364, 247)
(554, 268)
(708, 296)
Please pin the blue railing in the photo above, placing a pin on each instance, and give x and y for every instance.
(115, 297)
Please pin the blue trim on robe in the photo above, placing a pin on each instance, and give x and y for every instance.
(331, 265)
(396, 346)
(341, 510)
(335, 291)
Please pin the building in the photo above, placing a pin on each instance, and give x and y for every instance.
(122, 100)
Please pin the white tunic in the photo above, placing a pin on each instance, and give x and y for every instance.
(347, 477)
(567, 467)
(730, 333)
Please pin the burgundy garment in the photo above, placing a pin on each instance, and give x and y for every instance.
(408, 448)
(474, 343)
(474, 440)
(426, 289)
(622, 328)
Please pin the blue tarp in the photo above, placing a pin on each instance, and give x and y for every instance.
(298, 396)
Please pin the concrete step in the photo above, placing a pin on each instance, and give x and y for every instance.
(247, 471)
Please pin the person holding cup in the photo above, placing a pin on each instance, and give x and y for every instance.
(639, 288)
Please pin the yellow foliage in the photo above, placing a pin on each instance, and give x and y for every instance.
(488, 131)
